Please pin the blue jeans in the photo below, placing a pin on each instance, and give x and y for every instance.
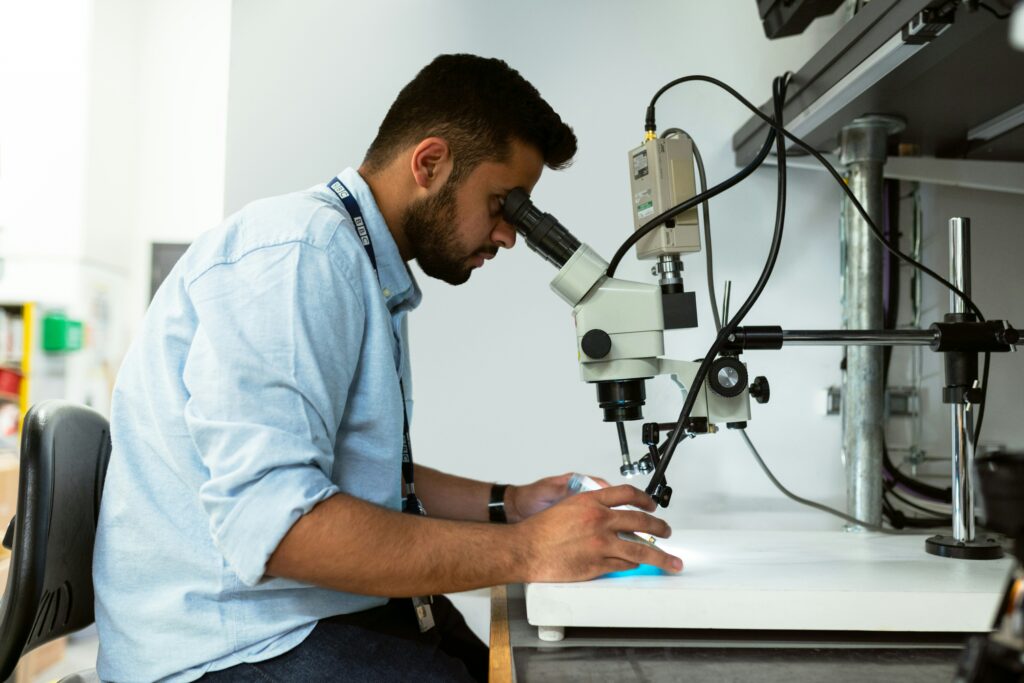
(381, 644)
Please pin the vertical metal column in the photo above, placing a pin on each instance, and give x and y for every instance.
(961, 417)
(960, 392)
(863, 152)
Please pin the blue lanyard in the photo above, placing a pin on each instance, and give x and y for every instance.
(411, 502)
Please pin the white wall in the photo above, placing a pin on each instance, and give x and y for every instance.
(183, 120)
(44, 81)
(496, 379)
(496, 387)
(111, 138)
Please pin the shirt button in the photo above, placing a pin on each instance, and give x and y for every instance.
(387, 292)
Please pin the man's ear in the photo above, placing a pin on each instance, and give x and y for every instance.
(431, 162)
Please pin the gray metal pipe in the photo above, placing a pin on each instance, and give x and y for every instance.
(863, 151)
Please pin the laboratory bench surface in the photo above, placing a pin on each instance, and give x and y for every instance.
(754, 605)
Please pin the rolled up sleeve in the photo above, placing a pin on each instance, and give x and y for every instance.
(278, 339)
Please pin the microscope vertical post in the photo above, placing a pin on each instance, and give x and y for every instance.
(961, 417)
(961, 393)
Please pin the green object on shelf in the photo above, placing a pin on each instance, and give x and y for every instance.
(61, 333)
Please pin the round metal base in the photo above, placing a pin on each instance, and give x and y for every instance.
(947, 546)
(642, 466)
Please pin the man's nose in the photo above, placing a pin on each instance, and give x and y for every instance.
(504, 235)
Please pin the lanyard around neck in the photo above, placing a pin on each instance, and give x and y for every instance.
(411, 502)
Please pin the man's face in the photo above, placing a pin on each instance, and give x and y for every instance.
(460, 227)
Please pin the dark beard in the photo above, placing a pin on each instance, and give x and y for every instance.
(429, 226)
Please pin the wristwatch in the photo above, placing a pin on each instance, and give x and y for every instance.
(496, 508)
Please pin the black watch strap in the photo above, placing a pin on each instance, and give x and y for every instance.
(496, 508)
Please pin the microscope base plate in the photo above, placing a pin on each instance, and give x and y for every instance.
(760, 579)
(947, 546)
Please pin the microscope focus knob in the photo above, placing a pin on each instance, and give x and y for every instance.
(728, 376)
(760, 389)
(596, 343)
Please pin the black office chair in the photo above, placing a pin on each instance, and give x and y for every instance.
(64, 453)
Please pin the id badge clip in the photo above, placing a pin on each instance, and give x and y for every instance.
(424, 614)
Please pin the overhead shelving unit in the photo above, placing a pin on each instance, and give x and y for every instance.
(954, 79)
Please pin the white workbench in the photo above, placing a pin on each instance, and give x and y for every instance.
(784, 580)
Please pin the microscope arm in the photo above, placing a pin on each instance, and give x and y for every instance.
(996, 336)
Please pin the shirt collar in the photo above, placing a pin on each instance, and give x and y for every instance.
(397, 283)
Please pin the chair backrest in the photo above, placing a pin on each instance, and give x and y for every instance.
(64, 453)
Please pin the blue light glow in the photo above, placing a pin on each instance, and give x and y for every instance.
(642, 570)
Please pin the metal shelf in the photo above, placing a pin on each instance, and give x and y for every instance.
(964, 78)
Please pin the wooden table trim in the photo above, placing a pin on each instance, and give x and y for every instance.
(501, 644)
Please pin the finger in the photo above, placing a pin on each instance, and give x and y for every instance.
(628, 520)
(624, 494)
(601, 481)
(641, 553)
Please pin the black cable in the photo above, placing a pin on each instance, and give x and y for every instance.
(891, 209)
(664, 216)
(910, 503)
(650, 126)
(776, 125)
(901, 520)
(778, 95)
(874, 228)
(891, 513)
(983, 401)
(921, 488)
(993, 11)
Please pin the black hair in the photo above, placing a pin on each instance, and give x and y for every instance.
(478, 105)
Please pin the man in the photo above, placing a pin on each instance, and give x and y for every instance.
(252, 524)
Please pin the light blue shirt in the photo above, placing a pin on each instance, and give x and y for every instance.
(263, 381)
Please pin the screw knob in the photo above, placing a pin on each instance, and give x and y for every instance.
(760, 389)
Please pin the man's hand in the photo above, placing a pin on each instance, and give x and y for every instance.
(348, 544)
(577, 539)
(525, 501)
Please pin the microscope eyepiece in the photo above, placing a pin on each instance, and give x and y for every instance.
(542, 231)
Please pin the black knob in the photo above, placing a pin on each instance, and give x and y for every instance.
(728, 376)
(665, 498)
(596, 344)
(760, 389)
